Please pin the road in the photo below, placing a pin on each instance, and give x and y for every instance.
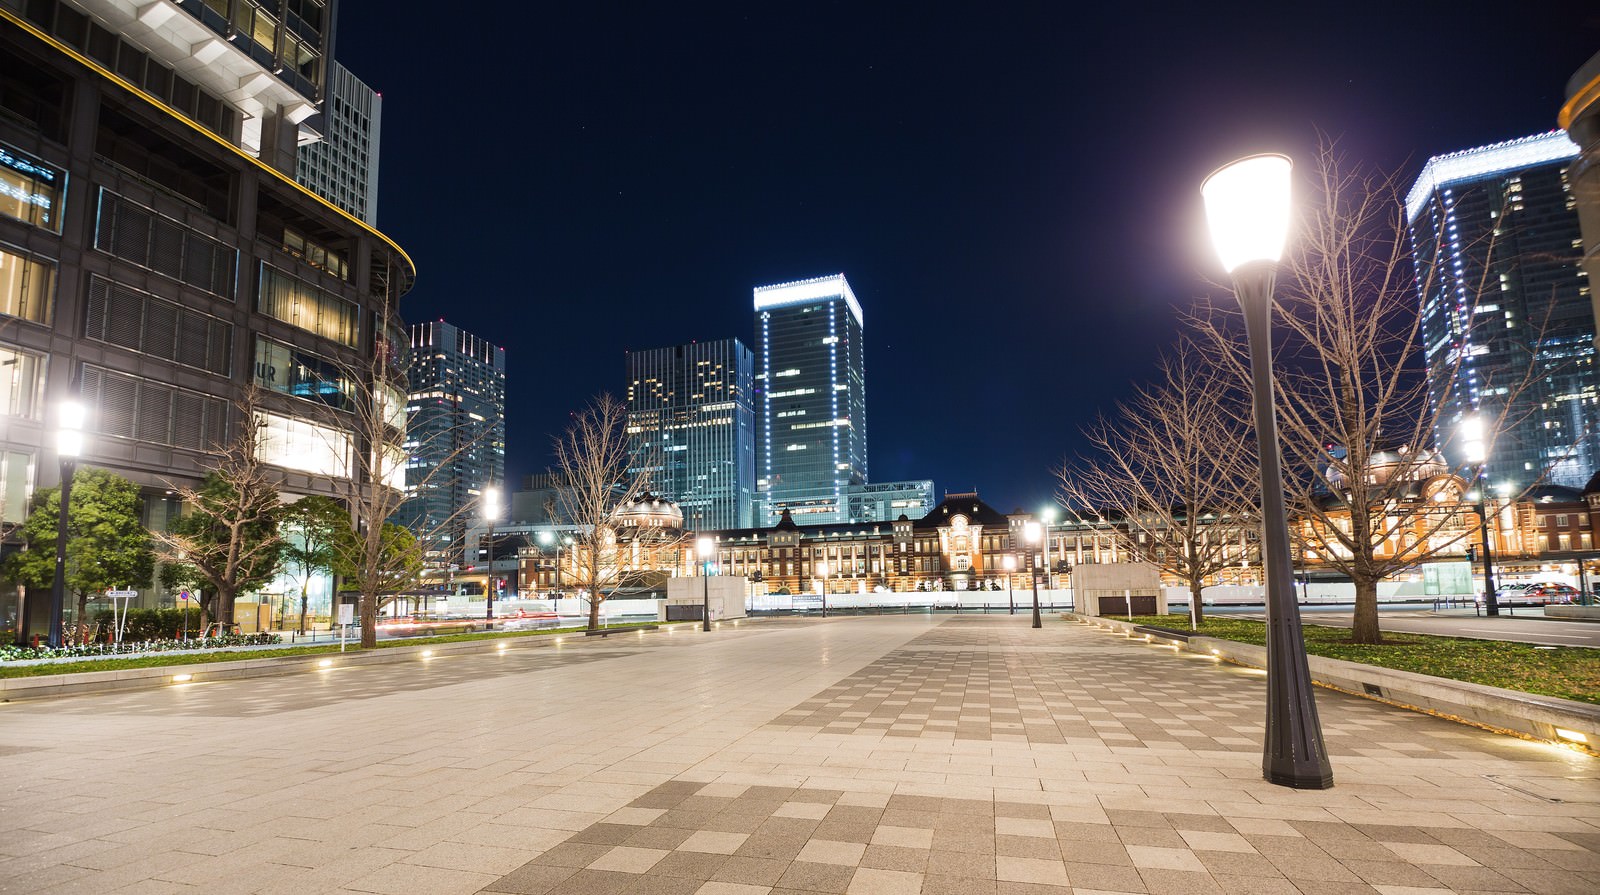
(1526, 626)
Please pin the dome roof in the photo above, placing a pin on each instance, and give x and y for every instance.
(650, 511)
(1386, 464)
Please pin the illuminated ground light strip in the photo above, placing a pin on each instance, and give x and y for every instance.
(1470, 164)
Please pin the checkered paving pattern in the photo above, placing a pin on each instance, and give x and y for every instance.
(756, 760)
(722, 839)
(991, 679)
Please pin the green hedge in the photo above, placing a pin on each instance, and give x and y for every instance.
(149, 624)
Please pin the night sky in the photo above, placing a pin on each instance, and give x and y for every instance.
(1012, 192)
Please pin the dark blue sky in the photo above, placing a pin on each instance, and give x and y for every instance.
(1013, 192)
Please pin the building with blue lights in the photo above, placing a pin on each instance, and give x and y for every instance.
(811, 400)
(691, 424)
(455, 434)
(1507, 329)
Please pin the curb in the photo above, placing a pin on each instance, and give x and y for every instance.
(1564, 722)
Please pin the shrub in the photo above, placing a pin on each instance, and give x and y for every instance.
(149, 624)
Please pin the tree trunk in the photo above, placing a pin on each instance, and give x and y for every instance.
(594, 609)
(1364, 628)
(1198, 613)
(304, 600)
(369, 621)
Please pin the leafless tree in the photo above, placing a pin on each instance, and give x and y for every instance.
(596, 476)
(377, 559)
(1358, 425)
(227, 540)
(1171, 470)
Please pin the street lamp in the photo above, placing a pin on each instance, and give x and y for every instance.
(69, 444)
(1471, 431)
(1031, 532)
(1048, 517)
(491, 512)
(707, 549)
(1247, 210)
(1010, 564)
(822, 572)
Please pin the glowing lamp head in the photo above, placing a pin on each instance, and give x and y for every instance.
(1010, 562)
(1247, 209)
(546, 537)
(1030, 532)
(1471, 431)
(491, 503)
(706, 548)
(822, 570)
(1048, 514)
(70, 419)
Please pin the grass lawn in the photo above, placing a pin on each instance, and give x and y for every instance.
(159, 660)
(1567, 672)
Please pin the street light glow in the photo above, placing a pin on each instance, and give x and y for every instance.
(70, 419)
(706, 547)
(1030, 532)
(1471, 431)
(1247, 209)
(491, 503)
(1010, 562)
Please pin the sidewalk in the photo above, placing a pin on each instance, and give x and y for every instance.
(964, 754)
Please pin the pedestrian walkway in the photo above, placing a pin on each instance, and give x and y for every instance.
(910, 754)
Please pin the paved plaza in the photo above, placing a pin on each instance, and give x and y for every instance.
(898, 754)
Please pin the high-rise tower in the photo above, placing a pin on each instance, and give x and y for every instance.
(342, 167)
(691, 420)
(455, 433)
(811, 400)
(1507, 328)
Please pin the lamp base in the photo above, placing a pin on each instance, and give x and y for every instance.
(1299, 774)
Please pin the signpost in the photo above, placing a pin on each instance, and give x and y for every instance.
(119, 620)
(347, 614)
(183, 595)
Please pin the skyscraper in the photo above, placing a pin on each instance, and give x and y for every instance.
(342, 167)
(455, 433)
(1506, 322)
(691, 420)
(1580, 116)
(812, 401)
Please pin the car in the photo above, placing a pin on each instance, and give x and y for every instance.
(1516, 592)
(1552, 592)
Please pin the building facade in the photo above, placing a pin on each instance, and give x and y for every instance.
(881, 501)
(691, 424)
(455, 434)
(342, 167)
(153, 259)
(1507, 324)
(1580, 118)
(811, 400)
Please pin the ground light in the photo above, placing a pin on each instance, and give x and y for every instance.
(1248, 209)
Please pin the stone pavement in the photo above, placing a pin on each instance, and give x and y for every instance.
(900, 754)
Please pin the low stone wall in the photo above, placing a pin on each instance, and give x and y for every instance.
(1493, 707)
(1578, 613)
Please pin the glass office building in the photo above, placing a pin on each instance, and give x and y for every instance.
(455, 434)
(691, 422)
(811, 400)
(1506, 322)
(342, 167)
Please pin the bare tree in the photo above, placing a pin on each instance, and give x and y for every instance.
(1365, 479)
(227, 539)
(379, 558)
(596, 476)
(1171, 471)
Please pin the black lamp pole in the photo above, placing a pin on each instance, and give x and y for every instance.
(1293, 754)
(58, 587)
(1491, 605)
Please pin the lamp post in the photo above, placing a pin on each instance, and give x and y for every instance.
(822, 572)
(69, 444)
(491, 512)
(706, 549)
(1047, 516)
(1010, 564)
(1031, 532)
(1247, 210)
(1471, 431)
